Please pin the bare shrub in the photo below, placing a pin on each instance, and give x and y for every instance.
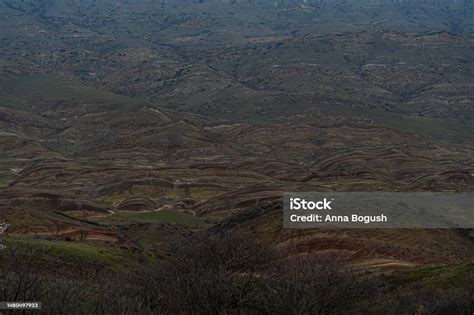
(20, 278)
(208, 274)
(219, 273)
(307, 285)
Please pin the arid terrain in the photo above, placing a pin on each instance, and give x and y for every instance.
(126, 126)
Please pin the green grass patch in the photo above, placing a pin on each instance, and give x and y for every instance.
(9, 100)
(77, 252)
(71, 150)
(436, 128)
(104, 203)
(83, 253)
(5, 179)
(164, 216)
(445, 277)
(55, 88)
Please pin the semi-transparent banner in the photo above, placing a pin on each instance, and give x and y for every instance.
(431, 210)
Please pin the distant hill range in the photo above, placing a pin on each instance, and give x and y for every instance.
(452, 15)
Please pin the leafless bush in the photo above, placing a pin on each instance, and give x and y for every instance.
(422, 299)
(209, 274)
(223, 273)
(307, 285)
(20, 278)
